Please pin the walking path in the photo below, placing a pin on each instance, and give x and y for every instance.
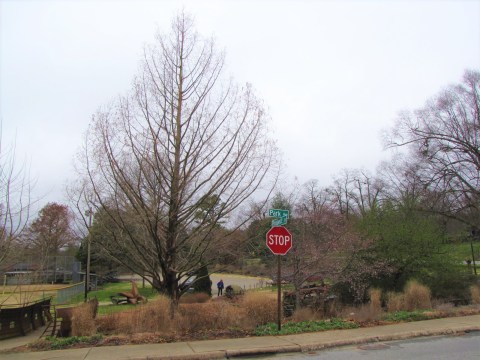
(244, 281)
(228, 348)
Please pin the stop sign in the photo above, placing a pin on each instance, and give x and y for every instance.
(279, 240)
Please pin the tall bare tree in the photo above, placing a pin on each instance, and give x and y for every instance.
(15, 201)
(155, 159)
(444, 138)
(322, 238)
(354, 192)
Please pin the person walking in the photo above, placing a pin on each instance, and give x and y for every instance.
(220, 287)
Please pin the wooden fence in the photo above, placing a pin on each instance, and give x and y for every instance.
(20, 320)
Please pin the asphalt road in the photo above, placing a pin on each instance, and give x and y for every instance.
(464, 347)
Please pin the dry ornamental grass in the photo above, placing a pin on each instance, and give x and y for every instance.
(252, 310)
(151, 317)
(305, 314)
(260, 308)
(475, 294)
(395, 301)
(83, 321)
(243, 314)
(375, 300)
(417, 296)
(414, 297)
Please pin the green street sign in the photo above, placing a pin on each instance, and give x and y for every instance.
(280, 215)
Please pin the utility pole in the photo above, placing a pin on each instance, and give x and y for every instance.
(473, 235)
(88, 213)
(473, 257)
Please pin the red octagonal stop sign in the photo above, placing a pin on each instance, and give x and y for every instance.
(279, 240)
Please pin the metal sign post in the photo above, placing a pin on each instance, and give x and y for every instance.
(279, 293)
(279, 241)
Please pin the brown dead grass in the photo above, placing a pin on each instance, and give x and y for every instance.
(32, 288)
(395, 301)
(212, 316)
(362, 313)
(83, 320)
(252, 310)
(442, 306)
(475, 294)
(414, 297)
(222, 317)
(375, 300)
(417, 296)
(260, 308)
(194, 298)
(305, 314)
(150, 317)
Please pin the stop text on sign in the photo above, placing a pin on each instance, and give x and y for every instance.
(275, 240)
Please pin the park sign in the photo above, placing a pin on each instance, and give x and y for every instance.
(279, 240)
(280, 215)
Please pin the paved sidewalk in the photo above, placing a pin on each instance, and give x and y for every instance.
(21, 340)
(228, 348)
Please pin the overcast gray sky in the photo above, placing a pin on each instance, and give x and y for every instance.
(332, 73)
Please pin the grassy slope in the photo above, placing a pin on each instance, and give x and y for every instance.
(463, 251)
(103, 295)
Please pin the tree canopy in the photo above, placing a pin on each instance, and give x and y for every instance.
(52, 229)
(177, 156)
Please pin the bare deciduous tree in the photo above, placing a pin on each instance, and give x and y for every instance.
(322, 240)
(156, 157)
(444, 138)
(354, 192)
(15, 201)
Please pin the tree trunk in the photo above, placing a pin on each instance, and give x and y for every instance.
(54, 269)
(171, 285)
(297, 283)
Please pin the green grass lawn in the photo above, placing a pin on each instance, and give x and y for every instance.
(110, 309)
(463, 251)
(104, 292)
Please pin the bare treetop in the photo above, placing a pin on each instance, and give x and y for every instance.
(444, 137)
(15, 200)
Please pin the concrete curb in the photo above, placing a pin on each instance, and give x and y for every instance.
(205, 356)
(263, 351)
